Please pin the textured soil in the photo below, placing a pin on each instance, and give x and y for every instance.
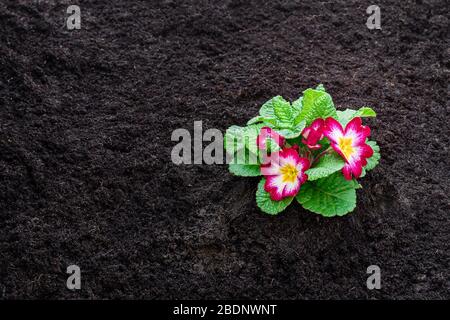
(86, 118)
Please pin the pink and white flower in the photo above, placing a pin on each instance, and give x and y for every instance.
(350, 143)
(313, 134)
(285, 173)
(268, 133)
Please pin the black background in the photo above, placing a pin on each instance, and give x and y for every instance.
(86, 118)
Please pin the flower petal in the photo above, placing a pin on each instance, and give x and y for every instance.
(303, 178)
(317, 124)
(354, 124)
(289, 156)
(366, 131)
(333, 130)
(305, 132)
(366, 151)
(274, 186)
(271, 169)
(267, 133)
(277, 184)
(302, 164)
(313, 134)
(355, 167)
(261, 139)
(291, 189)
(347, 172)
(356, 131)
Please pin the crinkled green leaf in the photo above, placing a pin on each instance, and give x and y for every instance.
(254, 120)
(242, 137)
(267, 109)
(240, 144)
(233, 137)
(326, 166)
(250, 135)
(271, 145)
(266, 204)
(245, 170)
(293, 132)
(280, 115)
(270, 122)
(243, 157)
(330, 196)
(316, 104)
(297, 105)
(283, 111)
(345, 116)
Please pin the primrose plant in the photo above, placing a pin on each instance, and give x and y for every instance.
(305, 150)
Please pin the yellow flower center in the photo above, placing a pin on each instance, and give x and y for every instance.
(289, 173)
(345, 144)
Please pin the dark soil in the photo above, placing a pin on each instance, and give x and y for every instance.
(86, 118)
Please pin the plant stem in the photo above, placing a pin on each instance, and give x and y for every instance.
(320, 155)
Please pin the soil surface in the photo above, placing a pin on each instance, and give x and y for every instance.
(86, 178)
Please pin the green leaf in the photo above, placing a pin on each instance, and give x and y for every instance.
(270, 122)
(250, 135)
(320, 87)
(254, 120)
(245, 170)
(356, 184)
(372, 162)
(272, 146)
(280, 115)
(328, 196)
(242, 137)
(233, 137)
(297, 105)
(266, 204)
(243, 157)
(240, 144)
(365, 112)
(283, 111)
(345, 116)
(267, 109)
(316, 104)
(326, 166)
(293, 132)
